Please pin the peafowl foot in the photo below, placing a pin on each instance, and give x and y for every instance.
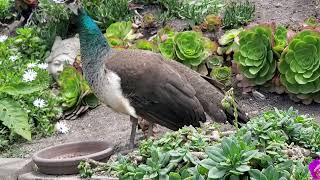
(134, 125)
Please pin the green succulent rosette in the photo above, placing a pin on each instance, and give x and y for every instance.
(221, 73)
(280, 38)
(167, 48)
(145, 45)
(255, 55)
(190, 48)
(299, 63)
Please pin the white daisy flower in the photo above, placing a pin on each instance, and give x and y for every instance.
(40, 103)
(13, 58)
(3, 38)
(29, 75)
(31, 65)
(61, 127)
(43, 65)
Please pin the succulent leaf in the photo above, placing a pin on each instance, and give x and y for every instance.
(229, 36)
(119, 33)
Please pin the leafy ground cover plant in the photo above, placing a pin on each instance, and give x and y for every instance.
(262, 149)
(194, 11)
(228, 41)
(238, 13)
(312, 21)
(6, 14)
(106, 12)
(255, 56)
(27, 103)
(51, 20)
(120, 34)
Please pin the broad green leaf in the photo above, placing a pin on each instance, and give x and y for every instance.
(15, 118)
(243, 168)
(233, 177)
(271, 173)
(215, 154)
(216, 173)
(174, 176)
(249, 155)
(208, 163)
(257, 175)
(22, 89)
(229, 36)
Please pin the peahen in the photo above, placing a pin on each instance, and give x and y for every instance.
(142, 83)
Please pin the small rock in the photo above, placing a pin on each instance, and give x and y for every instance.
(279, 90)
(307, 101)
(247, 90)
(258, 95)
(227, 133)
(278, 5)
(220, 51)
(255, 112)
(215, 136)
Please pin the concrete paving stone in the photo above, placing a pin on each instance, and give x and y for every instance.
(39, 176)
(11, 168)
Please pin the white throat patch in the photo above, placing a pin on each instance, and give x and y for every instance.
(107, 87)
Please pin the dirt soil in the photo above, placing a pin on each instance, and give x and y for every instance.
(287, 12)
(103, 124)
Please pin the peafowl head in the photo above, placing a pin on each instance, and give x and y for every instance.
(91, 37)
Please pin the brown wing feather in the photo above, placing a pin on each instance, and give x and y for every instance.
(155, 89)
(210, 93)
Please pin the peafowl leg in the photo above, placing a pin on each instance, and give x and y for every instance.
(134, 125)
(150, 129)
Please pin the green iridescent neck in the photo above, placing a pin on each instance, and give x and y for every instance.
(93, 44)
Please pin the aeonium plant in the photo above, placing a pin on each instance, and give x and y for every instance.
(300, 62)
(189, 47)
(255, 56)
(119, 34)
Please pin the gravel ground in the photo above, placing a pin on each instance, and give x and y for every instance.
(286, 12)
(103, 124)
(98, 124)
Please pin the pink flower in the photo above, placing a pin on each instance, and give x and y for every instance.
(314, 168)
